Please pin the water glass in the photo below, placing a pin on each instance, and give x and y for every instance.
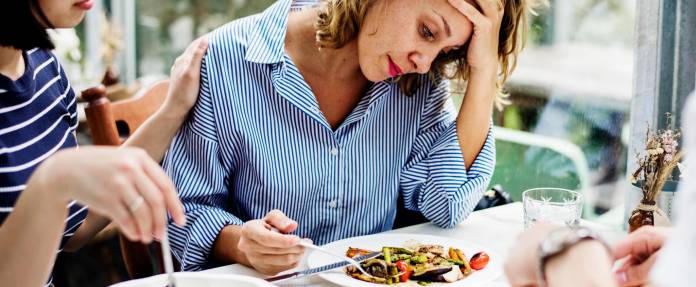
(554, 205)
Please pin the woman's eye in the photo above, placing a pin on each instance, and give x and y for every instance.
(426, 33)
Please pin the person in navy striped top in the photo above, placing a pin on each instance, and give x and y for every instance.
(315, 117)
(46, 183)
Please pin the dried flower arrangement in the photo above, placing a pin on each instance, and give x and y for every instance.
(655, 167)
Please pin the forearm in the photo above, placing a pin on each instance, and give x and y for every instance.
(586, 264)
(30, 237)
(92, 225)
(155, 135)
(475, 114)
(225, 248)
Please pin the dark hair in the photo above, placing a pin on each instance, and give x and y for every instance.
(24, 25)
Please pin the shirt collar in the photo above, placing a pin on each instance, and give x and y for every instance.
(267, 36)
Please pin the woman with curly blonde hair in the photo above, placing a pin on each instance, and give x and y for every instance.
(314, 120)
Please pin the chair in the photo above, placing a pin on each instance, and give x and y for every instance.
(526, 160)
(523, 161)
(110, 124)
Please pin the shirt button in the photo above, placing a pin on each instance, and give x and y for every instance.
(334, 151)
(333, 204)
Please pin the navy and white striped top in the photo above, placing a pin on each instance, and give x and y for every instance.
(38, 116)
(256, 141)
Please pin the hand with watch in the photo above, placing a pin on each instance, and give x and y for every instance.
(549, 255)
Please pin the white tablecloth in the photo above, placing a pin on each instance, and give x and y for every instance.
(495, 228)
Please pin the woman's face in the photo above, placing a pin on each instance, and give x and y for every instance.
(405, 36)
(65, 13)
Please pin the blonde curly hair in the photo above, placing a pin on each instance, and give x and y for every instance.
(340, 20)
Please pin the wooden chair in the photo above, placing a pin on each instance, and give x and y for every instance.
(110, 124)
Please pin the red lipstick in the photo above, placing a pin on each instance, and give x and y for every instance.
(85, 5)
(394, 69)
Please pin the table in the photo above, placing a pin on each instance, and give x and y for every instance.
(496, 228)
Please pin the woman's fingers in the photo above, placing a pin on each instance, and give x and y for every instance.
(200, 46)
(636, 275)
(190, 61)
(277, 219)
(167, 190)
(490, 8)
(640, 244)
(262, 248)
(121, 216)
(155, 202)
(268, 250)
(257, 232)
(137, 206)
(470, 12)
(283, 260)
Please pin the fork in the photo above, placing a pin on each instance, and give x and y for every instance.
(305, 243)
(167, 256)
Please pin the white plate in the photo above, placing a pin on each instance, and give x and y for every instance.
(191, 279)
(375, 242)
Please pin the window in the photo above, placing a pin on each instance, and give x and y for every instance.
(165, 28)
(573, 83)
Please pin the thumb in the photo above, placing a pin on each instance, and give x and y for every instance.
(200, 49)
(636, 275)
(278, 220)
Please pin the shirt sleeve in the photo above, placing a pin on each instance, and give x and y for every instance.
(435, 180)
(193, 162)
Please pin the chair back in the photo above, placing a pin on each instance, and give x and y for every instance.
(110, 124)
(525, 160)
(104, 118)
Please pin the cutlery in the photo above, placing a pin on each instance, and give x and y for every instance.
(307, 244)
(167, 256)
(322, 269)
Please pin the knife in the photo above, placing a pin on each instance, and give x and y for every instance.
(321, 269)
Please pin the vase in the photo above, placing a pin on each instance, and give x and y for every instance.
(647, 213)
(664, 201)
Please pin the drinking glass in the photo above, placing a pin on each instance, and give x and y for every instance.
(554, 205)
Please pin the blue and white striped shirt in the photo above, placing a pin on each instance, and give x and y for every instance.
(38, 117)
(256, 141)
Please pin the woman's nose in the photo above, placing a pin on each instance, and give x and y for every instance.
(422, 60)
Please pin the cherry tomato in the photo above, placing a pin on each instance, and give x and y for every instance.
(479, 261)
(403, 267)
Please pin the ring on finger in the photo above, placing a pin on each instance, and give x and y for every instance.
(135, 205)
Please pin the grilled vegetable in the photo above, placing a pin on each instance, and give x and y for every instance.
(403, 268)
(352, 252)
(467, 266)
(430, 273)
(429, 263)
(419, 259)
(365, 278)
(387, 255)
(452, 276)
(399, 250)
(479, 260)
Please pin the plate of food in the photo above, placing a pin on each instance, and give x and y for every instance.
(411, 260)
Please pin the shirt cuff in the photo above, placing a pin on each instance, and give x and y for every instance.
(193, 243)
(454, 192)
(447, 164)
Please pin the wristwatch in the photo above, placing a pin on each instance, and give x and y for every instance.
(560, 240)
